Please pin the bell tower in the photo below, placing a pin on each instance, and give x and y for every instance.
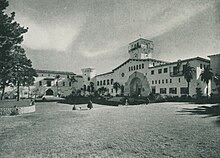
(140, 49)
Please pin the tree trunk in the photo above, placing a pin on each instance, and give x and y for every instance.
(188, 88)
(28, 91)
(207, 90)
(18, 92)
(3, 91)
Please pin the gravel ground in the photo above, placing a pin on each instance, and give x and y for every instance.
(153, 130)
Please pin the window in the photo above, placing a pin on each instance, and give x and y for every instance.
(129, 69)
(100, 83)
(184, 67)
(49, 75)
(153, 89)
(158, 81)
(152, 82)
(108, 82)
(142, 66)
(173, 90)
(40, 83)
(48, 83)
(165, 70)
(112, 90)
(42, 75)
(162, 81)
(200, 66)
(159, 71)
(163, 90)
(132, 68)
(112, 81)
(139, 66)
(88, 78)
(166, 80)
(175, 70)
(63, 83)
(97, 83)
(179, 79)
(104, 82)
(122, 74)
(170, 80)
(69, 84)
(155, 81)
(183, 90)
(153, 64)
(152, 72)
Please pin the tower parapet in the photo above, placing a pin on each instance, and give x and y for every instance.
(141, 49)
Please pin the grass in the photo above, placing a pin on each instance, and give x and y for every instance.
(153, 130)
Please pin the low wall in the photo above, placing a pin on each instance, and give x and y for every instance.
(17, 110)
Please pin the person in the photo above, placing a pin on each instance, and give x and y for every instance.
(74, 107)
(90, 105)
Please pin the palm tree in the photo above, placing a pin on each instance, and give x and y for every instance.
(92, 86)
(188, 72)
(116, 86)
(72, 79)
(57, 77)
(206, 75)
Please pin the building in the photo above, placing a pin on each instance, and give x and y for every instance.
(215, 66)
(57, 83)
(142, 75)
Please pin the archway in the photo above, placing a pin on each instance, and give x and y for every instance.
(137, 84)
(49, 92)
(135, 87)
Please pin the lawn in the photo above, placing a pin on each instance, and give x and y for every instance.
(153, 130)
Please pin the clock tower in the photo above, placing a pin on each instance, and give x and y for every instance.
(140, 49)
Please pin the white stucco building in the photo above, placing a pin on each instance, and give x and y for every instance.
(142, 75)
(138, 75)
(215, 66)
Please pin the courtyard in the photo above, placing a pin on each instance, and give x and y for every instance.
(153, 130)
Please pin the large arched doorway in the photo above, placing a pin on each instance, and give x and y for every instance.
(135, 87)
(49, 92)
(137, 84)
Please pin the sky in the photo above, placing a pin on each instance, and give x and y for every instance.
(72, 34)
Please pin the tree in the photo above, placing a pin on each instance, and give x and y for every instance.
(13, 60)
(116, 86)
(206, 75)
(57, 77)
(72, 79)
(92, 88)
(122, 89)
(188, 72)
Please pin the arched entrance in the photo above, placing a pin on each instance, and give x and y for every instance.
(137, 84)
(135, 87)
(49, 92)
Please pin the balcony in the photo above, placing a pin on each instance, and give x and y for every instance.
(176, 74)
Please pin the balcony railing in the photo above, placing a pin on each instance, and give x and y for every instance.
(176, 74)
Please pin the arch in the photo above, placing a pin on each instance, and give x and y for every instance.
(137, 84)
(49, 92)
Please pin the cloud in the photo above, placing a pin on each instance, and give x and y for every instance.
(54, 36)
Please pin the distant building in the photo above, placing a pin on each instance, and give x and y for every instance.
(215, 65)
(57, 83)
(140, 75)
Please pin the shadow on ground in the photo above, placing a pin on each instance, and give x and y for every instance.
(208, 111)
